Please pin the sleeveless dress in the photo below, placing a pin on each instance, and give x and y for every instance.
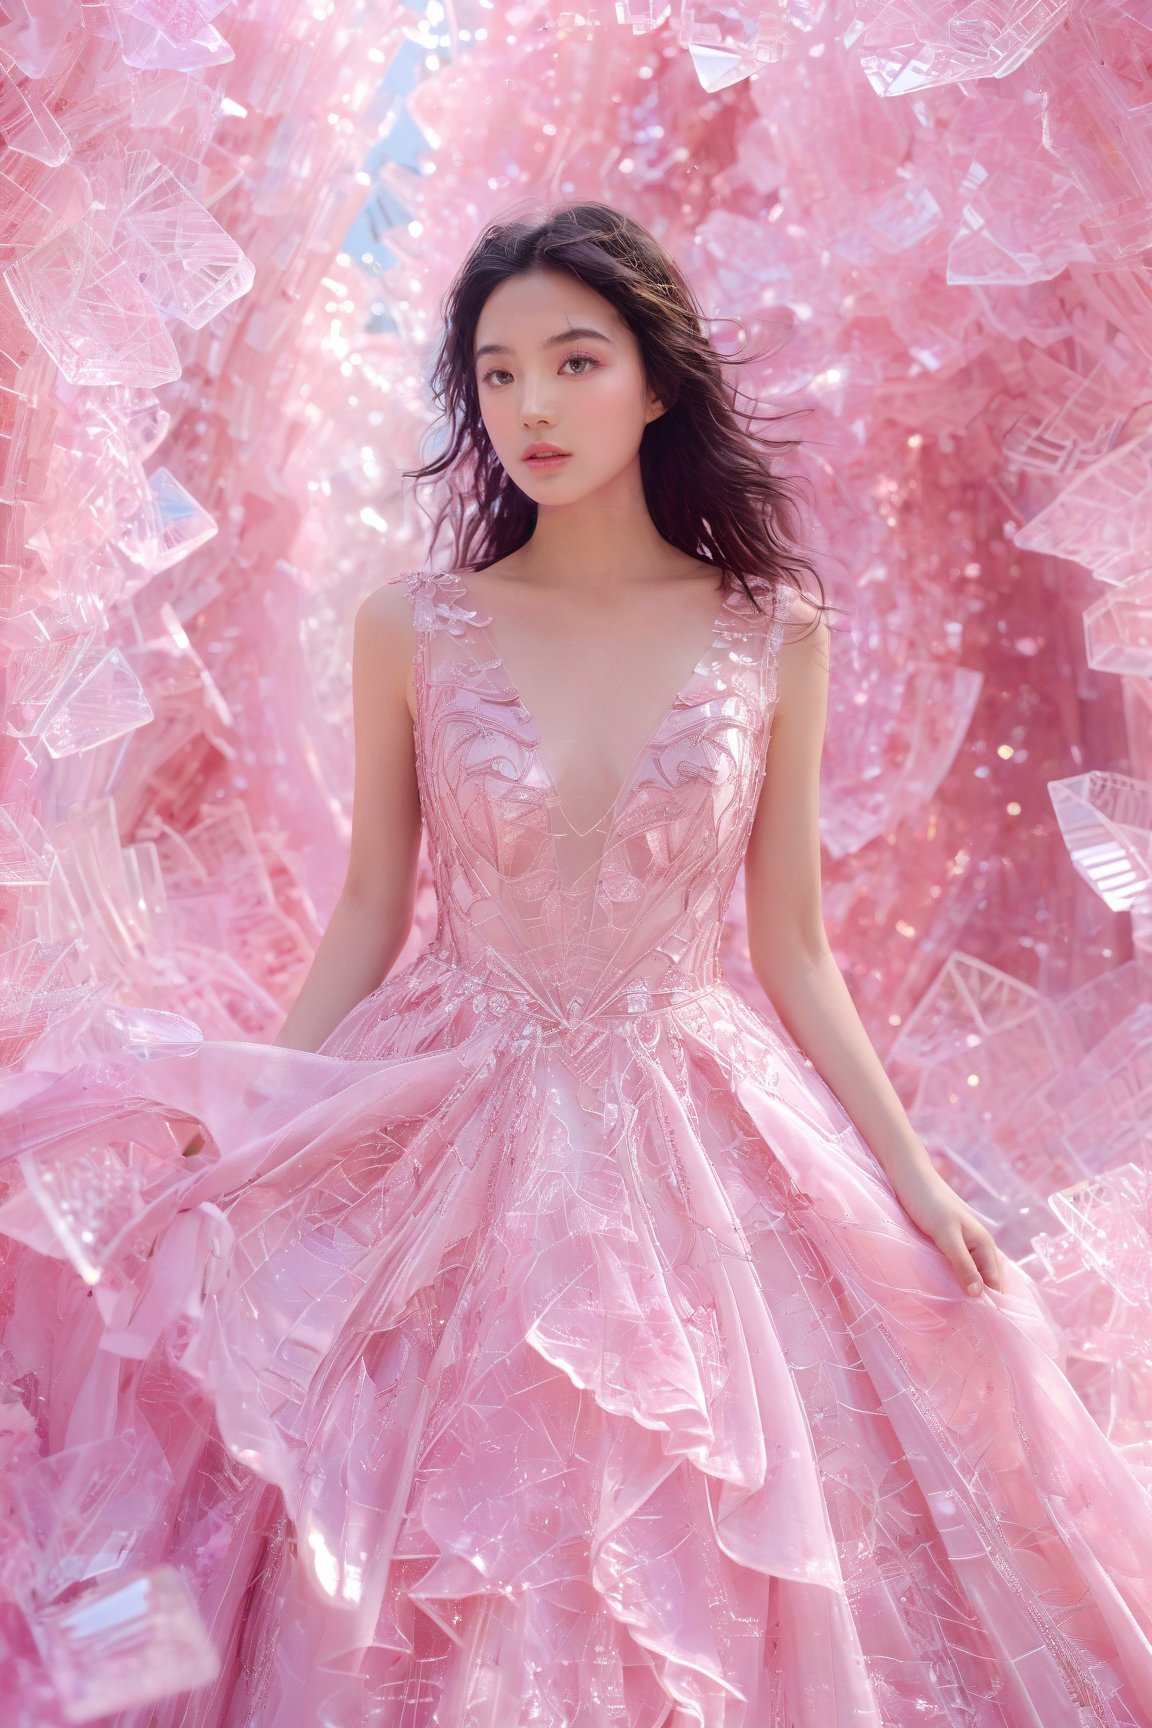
(548, 1350)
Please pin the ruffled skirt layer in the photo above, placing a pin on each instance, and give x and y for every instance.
(476, 1374)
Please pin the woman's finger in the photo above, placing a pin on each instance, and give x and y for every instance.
(987, 1257)
(952, 1241)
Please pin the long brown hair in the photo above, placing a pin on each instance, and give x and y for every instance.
(707, 483)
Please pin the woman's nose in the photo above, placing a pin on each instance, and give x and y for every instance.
(534, 401)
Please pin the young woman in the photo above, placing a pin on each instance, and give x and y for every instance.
(565, 1346)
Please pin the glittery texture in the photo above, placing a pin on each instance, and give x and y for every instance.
(571, 1356)
(227, 231)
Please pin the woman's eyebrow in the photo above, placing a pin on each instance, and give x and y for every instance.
(552, 341)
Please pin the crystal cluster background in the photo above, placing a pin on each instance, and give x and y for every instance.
(224, 233)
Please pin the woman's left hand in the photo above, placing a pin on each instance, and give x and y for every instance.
(954, 1227)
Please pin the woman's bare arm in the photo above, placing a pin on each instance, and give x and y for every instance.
(373, 915)
(791, 957)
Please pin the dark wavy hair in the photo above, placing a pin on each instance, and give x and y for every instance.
(707, 483)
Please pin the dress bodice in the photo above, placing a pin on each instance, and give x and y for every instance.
(627, 918)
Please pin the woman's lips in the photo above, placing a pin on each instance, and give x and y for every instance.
(544, 462)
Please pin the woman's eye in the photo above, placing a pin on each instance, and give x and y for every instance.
(585, 360)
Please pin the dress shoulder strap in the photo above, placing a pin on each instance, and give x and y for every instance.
(443, 625)
(764, 626)
(437, 598)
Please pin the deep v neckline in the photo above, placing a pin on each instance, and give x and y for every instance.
(611, 814)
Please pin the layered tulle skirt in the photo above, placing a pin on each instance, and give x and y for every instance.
(480, 1372)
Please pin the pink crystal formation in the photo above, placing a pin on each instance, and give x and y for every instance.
(224, 234)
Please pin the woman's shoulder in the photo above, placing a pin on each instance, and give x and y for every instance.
(386, 612)
(803, 658)
(799, 615)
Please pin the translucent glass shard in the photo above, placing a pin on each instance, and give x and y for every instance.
(1126, 292)
(1118, 629)
(244, 915)
(1018, 222)
(729, 41)
(40, 986)
(179, 20)
(969, 1004)
(23, 849)
(907, 45)
(87, 1509)
(38, 678)
(149, 50)
(643, 16)
(1072, 418)
(105, 701)
(169, 526)
(111, 892)
(144, 1032)
(185, 262)
(1103, 517)
(1111, 1217)
(27, 124)
(32, 34)
(74, 695)
(1096, 115)
(124, 1643)
(1106, 820)
(1098, 1106)
(90, 312)
(93, 1195)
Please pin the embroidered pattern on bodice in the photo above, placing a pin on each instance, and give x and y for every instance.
(625, 918)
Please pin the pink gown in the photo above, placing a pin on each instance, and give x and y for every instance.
(549, 1350)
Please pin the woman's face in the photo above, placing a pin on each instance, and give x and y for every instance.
(541, 382)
